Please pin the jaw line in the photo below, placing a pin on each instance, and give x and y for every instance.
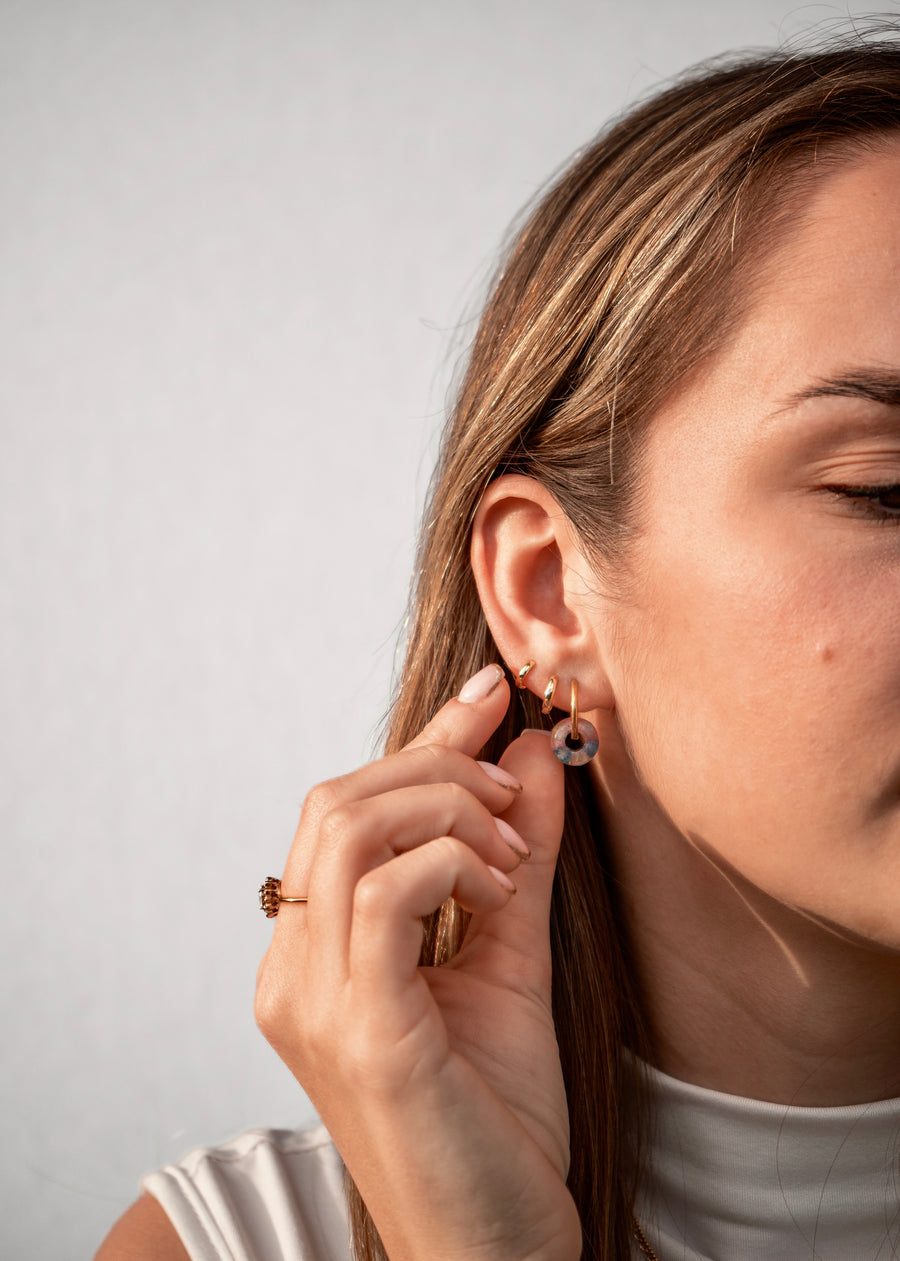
(732, 879)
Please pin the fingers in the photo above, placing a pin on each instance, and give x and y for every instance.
(537, 815)
(389, 903)
(431, 791)
(423, 765)
(360, 836)
(444, 750)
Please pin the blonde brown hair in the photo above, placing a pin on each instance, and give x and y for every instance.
(628, 274)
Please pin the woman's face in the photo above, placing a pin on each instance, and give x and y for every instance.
(758, 668)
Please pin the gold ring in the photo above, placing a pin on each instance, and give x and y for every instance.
(270, 897)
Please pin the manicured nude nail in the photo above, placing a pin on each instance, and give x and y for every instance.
(502, 879)
(534, 731)
(512, 838)
(481, 684)
(501, 776)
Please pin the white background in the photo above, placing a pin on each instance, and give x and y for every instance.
(241, 243)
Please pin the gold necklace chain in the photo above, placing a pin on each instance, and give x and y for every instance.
(642, 1240)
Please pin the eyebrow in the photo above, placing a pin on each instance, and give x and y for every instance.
(878, 386)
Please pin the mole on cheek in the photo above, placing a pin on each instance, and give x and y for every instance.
(825, 652)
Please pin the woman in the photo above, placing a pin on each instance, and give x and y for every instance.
(661, 505)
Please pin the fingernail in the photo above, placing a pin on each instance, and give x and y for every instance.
(481, 684)
(500, 776)
(512, 838)
(502, 879)
(534, 731)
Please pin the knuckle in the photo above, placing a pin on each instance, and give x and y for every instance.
(335, 825)
(447, 850)
(430, 755)
(455, 795)
(369, 895)
(322, 800)
(444, 854)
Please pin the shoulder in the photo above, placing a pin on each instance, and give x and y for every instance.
(281, 1190)
(143, 1233)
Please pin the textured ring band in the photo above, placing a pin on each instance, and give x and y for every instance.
(270, 897)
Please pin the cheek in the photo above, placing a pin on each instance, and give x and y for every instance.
(759, 701)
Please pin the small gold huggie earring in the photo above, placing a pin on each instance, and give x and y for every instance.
(574, 740)
(523, 674)
(548, 695)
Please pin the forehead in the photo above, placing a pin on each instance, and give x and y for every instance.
(827, 304)
(840, 267)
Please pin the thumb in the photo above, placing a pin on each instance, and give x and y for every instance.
(537, 815)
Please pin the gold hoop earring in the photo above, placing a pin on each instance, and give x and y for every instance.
(574, 740)
(548, 695)
(523, 674)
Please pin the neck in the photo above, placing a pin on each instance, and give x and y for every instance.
(743, 994)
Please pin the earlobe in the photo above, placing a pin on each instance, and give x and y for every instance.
(534, 585)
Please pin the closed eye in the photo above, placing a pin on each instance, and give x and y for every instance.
(879, 503)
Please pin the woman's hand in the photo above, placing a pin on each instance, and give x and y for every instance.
(440, 1086)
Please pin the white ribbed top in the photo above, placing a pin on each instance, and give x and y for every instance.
(267, 1195)
(733, 1179)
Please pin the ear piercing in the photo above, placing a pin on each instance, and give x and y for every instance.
(548, 695)
(574, 740)
(523, 674)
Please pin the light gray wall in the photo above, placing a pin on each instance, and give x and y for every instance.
(236, 238)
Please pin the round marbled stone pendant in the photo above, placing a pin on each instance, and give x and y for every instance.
(568, 752)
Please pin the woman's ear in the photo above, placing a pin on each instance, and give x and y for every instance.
(539, 595)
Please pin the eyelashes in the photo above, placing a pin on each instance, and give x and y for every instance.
(877, 503)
